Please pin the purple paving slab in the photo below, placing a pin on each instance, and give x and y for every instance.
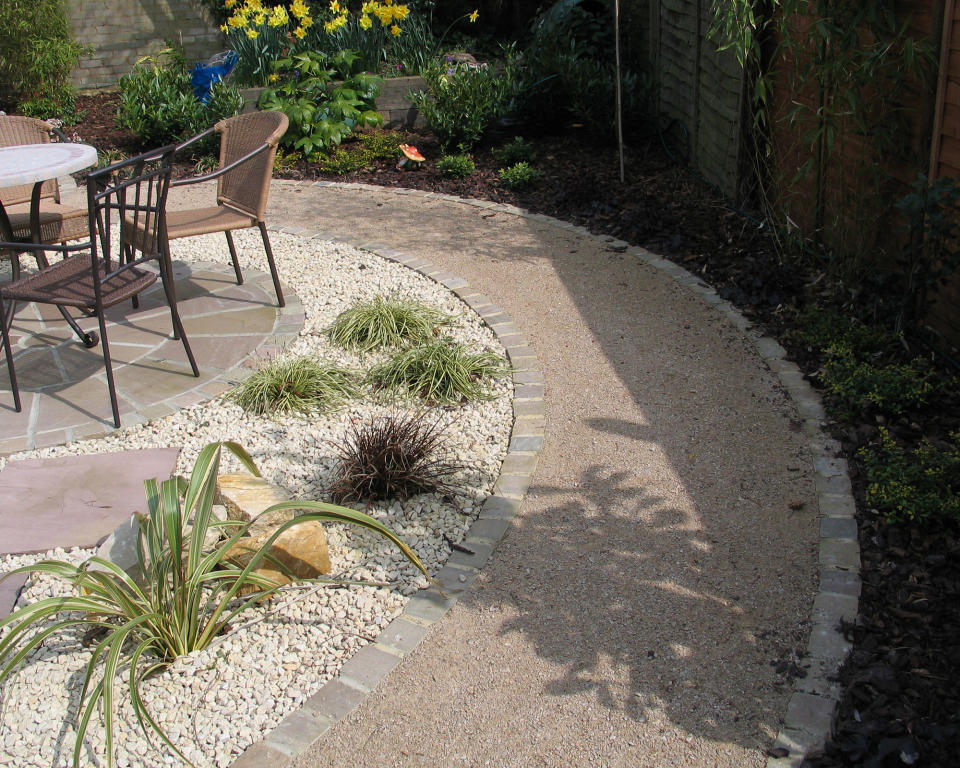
(74, 501)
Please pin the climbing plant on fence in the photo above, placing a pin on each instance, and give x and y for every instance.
(851, 69)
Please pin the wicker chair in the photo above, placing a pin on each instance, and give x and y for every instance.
(58, 223)
(134, 190)
(248, 145)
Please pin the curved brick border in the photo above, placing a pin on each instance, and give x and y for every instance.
(809, 717)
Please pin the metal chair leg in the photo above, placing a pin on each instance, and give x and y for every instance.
(108, 364)
(270, 261)
(233, 255)
(10, 369)
(166, 279)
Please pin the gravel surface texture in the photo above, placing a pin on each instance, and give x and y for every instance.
(243, 685)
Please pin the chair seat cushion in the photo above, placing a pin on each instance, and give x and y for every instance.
(70, 283)
(58, 223)
(203, 221)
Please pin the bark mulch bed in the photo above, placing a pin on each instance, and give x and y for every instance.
(901, 702)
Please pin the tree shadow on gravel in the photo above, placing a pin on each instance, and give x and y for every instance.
(622, 603)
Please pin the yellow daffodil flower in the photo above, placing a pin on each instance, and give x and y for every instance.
(253, 33)
(260, 19)
(299, 9)
(236, 21)
(306, 21)
(395, 31)
(300, 33)
(368, 8)
(334, 6)
(273, 77)
(278, 17)
(228, 4)
(224, 28)
(400, 12)
(474, 16)
(365, 22)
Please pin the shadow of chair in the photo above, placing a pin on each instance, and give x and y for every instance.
(135, 191)
(248, 145)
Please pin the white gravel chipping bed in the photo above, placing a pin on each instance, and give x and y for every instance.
(216, 703)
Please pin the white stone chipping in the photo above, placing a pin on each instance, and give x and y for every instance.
(217, 702)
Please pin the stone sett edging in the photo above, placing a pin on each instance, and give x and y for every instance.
(808, 721)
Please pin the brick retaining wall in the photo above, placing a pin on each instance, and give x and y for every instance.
(123, 31)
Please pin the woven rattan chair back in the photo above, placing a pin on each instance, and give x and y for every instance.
(92, 276)
(247, 186)
(248, 146)
(14, 131)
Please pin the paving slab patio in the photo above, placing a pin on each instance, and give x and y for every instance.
(63, 385)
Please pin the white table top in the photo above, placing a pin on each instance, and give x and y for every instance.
(30, 163)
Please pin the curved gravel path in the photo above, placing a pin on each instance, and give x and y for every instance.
(661, 571)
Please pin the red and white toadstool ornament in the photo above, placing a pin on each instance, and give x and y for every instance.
(411, 157)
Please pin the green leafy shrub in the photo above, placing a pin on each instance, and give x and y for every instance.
(37, 54)
(157, 103)
(921, 485)
(284, 161)
(520, 175)
(343, 160)
(385, 323)
(442, 371)
(853, 384)
(394, 457)
(456, 166)
(817, 329)
(322, 112)
(190, 592)
(516, 151)
(462, 101)
(568, 73)
(298, 385)
(360, 154)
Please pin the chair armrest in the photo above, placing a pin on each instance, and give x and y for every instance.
(21, 247)
(193, 139)
(220, 171)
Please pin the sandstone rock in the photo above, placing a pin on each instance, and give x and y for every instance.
(246, 496)
(302, 548)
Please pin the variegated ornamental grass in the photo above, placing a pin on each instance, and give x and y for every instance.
(382, 323)
(441, 372)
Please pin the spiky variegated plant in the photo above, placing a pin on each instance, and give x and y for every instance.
(189, 593)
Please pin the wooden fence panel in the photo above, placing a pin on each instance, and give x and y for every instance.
(700, 89)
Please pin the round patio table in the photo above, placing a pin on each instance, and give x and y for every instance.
(35, 164)
(30, 163)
